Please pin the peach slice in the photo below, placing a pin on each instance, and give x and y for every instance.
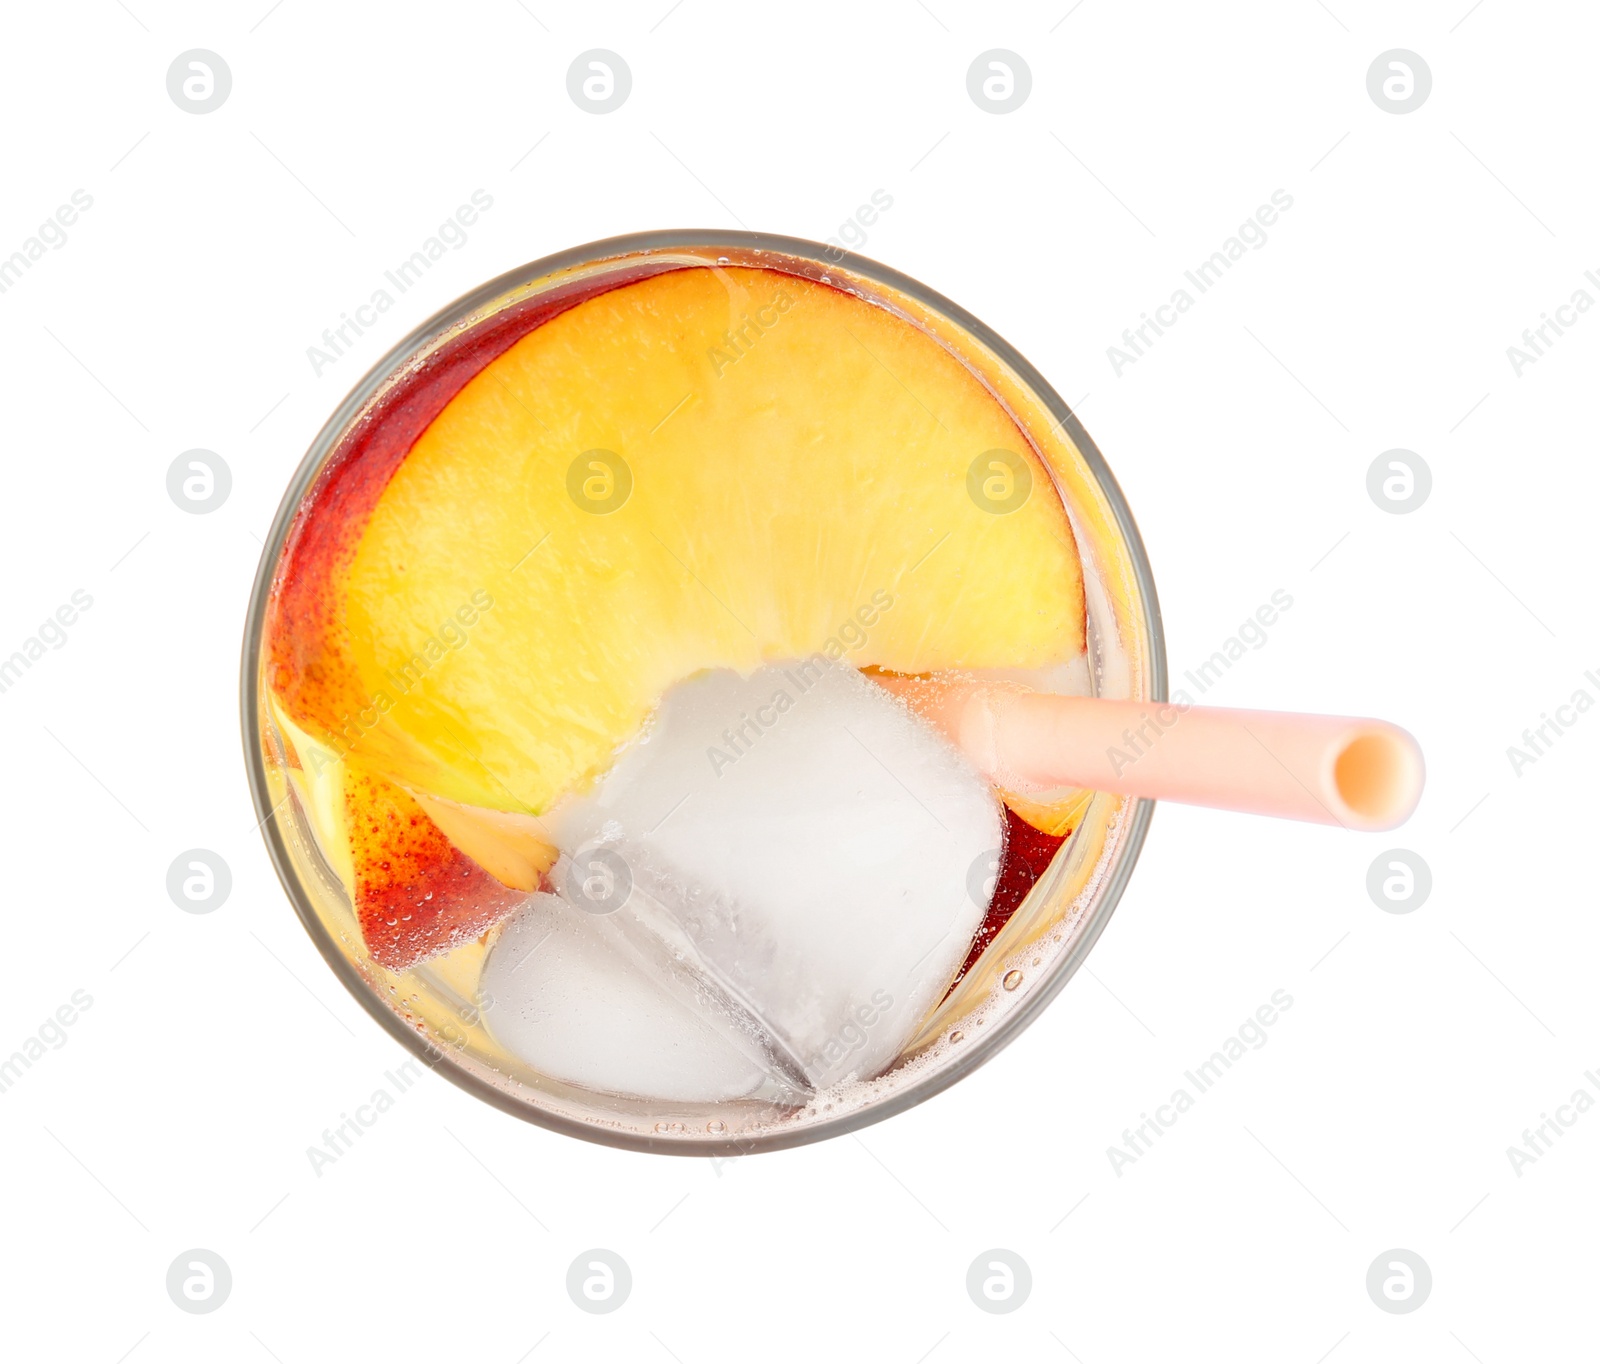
(416, 893)
(513, 848)
(422, 874)
(708, 468)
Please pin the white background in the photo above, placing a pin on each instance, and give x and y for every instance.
(1419, 1046)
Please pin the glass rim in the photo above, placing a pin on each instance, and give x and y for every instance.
(326, 442)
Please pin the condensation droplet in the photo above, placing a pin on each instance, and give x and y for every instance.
(717, 1128)
(1012, 980)
(957, 1035)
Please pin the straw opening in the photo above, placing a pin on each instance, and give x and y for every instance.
(1375, 776)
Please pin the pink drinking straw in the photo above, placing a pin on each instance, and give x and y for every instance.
(1325, 769)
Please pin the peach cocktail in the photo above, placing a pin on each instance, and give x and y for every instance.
(561, 684)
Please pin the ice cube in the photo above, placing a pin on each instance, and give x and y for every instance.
(786, 858)
(558, 997)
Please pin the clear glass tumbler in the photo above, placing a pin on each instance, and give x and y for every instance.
(432, 1009)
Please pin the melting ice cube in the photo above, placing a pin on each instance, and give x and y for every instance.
(771, 885)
